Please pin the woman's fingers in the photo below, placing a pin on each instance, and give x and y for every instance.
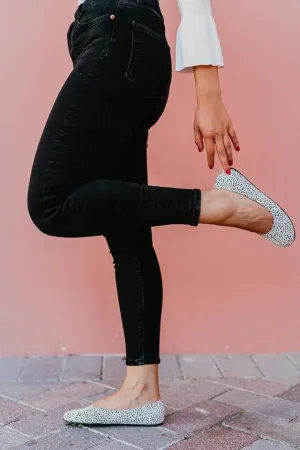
(228, 148)
(221, 150)
(233, 137)
(222, 145)
(198, 139)
(210, 151)
(213, 128)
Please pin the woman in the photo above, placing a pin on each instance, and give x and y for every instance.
(89, 176)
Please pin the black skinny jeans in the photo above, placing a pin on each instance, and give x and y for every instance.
(89, 176)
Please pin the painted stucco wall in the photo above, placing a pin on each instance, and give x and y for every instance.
(225, 290)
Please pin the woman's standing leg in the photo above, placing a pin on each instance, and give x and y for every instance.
(139, 285)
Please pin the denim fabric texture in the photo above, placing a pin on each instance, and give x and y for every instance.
(89, 175)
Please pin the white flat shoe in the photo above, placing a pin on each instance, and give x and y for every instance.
(282, 233)
(148, 415)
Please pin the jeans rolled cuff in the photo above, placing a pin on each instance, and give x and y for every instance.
(142, 362)
(196, 208)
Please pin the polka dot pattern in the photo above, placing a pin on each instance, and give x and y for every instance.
(283, 232)
(148, 415)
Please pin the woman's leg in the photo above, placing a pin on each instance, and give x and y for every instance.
(75, 190)
(139, 285)
(137, 270)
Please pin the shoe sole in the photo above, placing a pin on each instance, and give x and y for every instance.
(112, 424)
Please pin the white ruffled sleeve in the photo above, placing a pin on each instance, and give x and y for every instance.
(197, 41)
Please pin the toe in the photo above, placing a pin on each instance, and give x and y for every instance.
(75, 415)
(67, 416)
(71, 416)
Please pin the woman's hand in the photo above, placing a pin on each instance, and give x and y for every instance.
(213, 128)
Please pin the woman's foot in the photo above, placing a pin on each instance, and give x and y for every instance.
(236, 202)
(137, 402)
(140, 388)
(226, 208)
(128, 397)
(252, 210)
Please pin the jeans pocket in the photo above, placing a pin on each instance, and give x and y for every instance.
(89, 20)
(149, 67)
(93, 39)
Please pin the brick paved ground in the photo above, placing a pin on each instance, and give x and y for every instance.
(213, 403)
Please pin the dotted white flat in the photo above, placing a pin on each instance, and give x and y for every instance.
(282, 233)
(152, 414)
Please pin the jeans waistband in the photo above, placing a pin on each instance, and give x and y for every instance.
(112, 6)
(89, 3)
(140, 2)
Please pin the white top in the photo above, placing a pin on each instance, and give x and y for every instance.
(197, 40)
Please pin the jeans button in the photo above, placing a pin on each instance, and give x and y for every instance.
(112, 17)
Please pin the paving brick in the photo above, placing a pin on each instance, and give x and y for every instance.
(182, 393)
(198, 417)
(42, 368)
(114, 368)
(292, 394)
(199, 367)
(64, 393)
(10, 368)
(238, 366)
(82, 368)
(267, 445)
(11, 411)
(75, 438)
(9, 438)
(275, 366)
(111, 444)
(21, 391)
(4, 386)
(41, 423)
(289, 382)
(267, 427)
(217, 438)
(169, 410)
(295, 357)
(249, 401)
(147, 438)
(169, 367)
(261, 386)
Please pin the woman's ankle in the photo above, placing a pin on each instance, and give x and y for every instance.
(143, 380)
(216, 207)
(140, 386)
(143, 375)
(230, 209)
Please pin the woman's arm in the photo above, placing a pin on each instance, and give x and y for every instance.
(213, 128)
(198, 48)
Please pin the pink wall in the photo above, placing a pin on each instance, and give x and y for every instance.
(225, 290)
